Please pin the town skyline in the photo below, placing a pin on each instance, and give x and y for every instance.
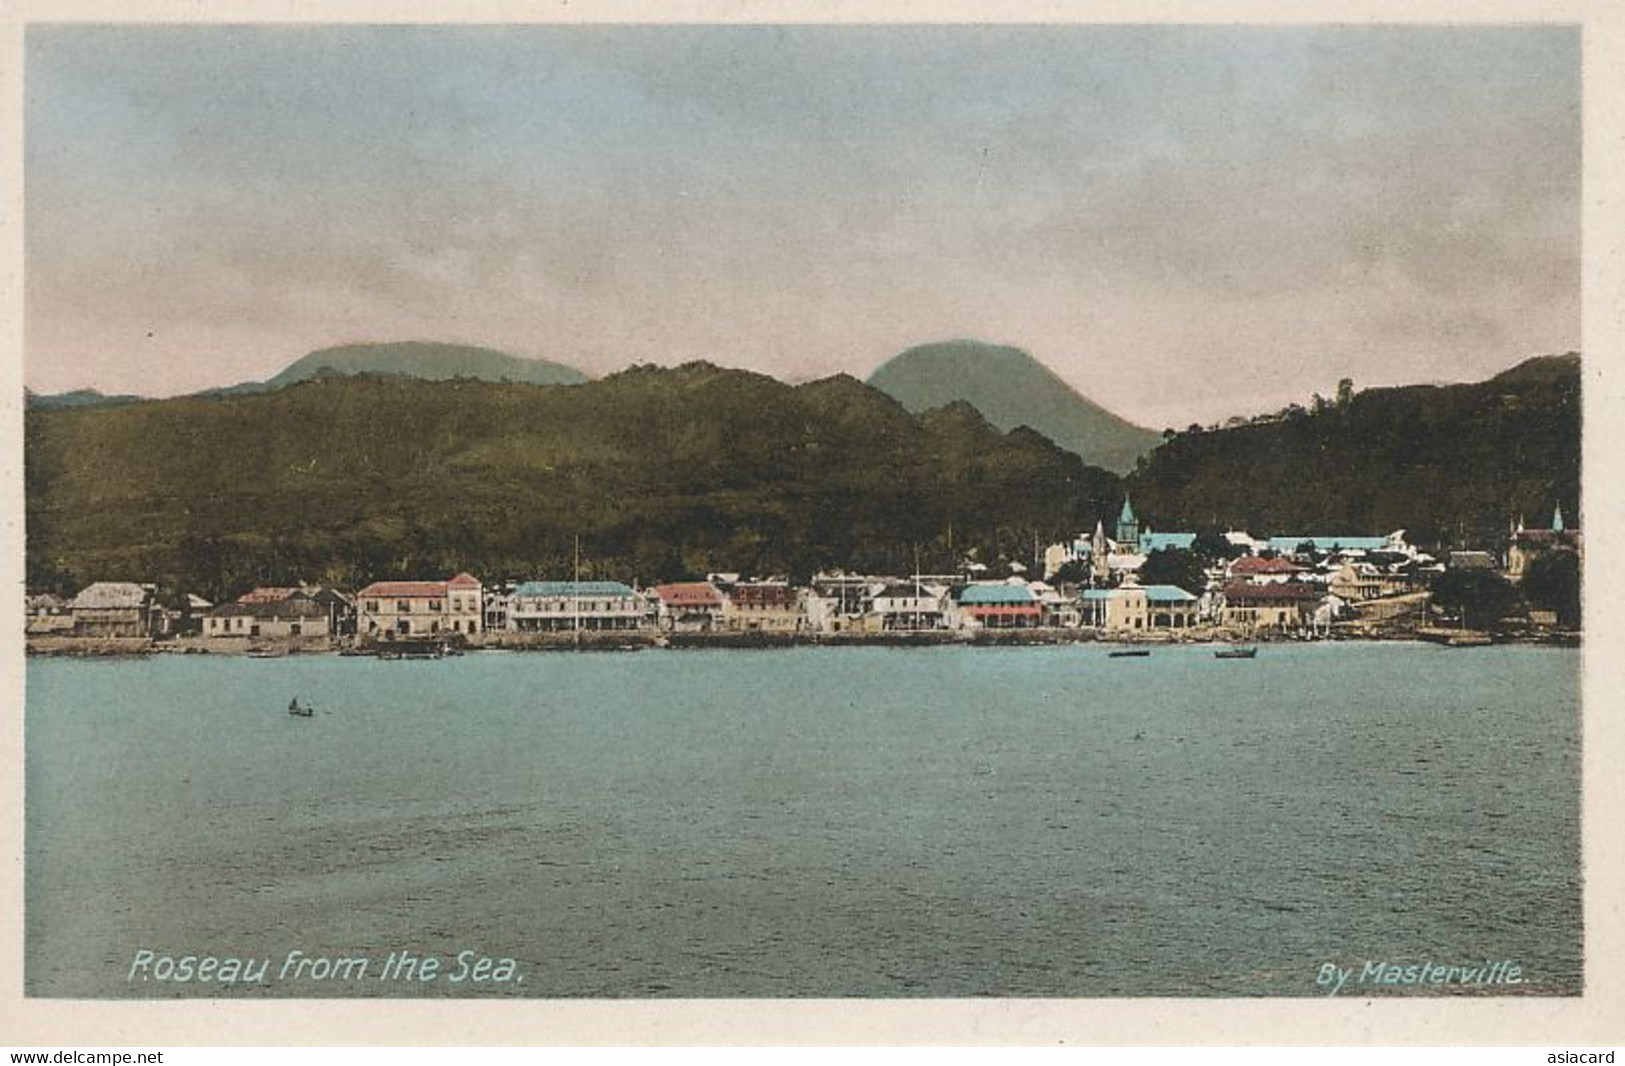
(1183, 223)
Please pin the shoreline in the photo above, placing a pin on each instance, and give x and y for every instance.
(135, 647)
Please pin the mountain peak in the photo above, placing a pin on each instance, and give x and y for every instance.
(429, 360)
(1011, 388)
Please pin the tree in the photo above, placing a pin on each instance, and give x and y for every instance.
(1173, 566)
(1483, 597)
(1075, 572)
(1553, 583)
(1211, 545)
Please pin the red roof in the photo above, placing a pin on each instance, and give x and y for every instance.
(1254, 564)
(689, 594)
(409, 590)
(404, 590)
(763, 596)
(1294, 592)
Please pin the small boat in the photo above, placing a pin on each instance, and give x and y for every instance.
(1128, 653)
(299, 710)
(1236, 653)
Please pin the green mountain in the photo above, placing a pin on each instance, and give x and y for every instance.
(1013, 389)
(76, 398)
(661, 473)
(1450, 463)
(429, 361)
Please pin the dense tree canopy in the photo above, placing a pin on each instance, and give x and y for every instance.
(1553, 583)
(660, 473)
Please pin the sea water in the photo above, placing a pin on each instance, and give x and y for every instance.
(874, 822)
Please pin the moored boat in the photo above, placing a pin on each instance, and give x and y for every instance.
(1129, 653)
(1236, 653)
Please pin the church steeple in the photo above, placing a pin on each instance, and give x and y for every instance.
(1128, 528)
(1557, 519)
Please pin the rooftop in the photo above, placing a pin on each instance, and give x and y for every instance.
(573, 589)
(689, 594)
(981, 595)
(1283, 591)
(110, 595)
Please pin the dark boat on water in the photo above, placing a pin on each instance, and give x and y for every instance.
(299, 710)
(413, 649)
(1236, 653)
(1128, 653)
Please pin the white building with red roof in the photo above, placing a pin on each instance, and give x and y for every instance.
(689, 606)
(391, 610)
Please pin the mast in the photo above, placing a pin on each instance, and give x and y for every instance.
(916, 587)
(575, 589)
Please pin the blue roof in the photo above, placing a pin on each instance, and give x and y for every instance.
(1127, 514)
(1153, 593)
(1150, 542)
(573, 588)
(1290, 544)
(979, 594)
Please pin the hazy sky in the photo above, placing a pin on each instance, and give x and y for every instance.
(1184, 223)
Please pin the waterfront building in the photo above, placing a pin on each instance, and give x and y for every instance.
(763, 607)
(689, 607)
(1272, 605)
(116, 609)
(907, 605)
(999, 606)
(387, 610)
(278, 611)
(552, 606)
(1137, 607)
(294, 614)
(48, 615)
(842, 603)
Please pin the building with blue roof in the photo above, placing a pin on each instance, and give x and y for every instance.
(1155, 542)
(1289, 545)
(1000, 606)
(549, 606)
(1139, 607)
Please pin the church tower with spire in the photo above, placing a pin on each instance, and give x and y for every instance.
(1128, 527)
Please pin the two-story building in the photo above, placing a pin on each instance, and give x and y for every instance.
(551, 606)
(116, 609)
(1135, 607)
(389, 610)
(1001, 606)
(688, 607)
(763, 607)
(907, 605)
(1270, 605)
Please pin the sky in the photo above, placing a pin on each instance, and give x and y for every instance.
(1184, 223)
